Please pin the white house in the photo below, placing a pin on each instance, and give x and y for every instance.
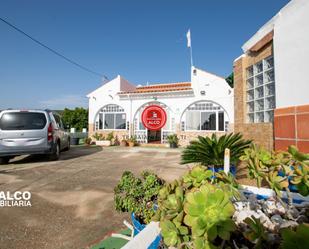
(200, 107)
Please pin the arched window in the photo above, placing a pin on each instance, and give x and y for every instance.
(111, 117)
(204, 116)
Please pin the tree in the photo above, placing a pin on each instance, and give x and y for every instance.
(230, 80)
(77, 118)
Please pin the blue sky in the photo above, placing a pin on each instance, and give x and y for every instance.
(140, 40)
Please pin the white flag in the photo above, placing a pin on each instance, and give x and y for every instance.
(189, 39)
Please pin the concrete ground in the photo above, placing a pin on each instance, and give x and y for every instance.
(72, 199)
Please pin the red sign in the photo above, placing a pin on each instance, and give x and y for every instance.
(154, 117)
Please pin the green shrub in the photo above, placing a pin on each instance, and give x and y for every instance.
(138, 195)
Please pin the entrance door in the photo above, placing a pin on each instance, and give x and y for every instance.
(154, 136)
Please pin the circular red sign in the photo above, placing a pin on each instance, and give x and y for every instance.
(154, 117)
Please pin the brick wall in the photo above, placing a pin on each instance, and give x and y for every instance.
(291, 127)
(261, 133)
(186, 137)
(123, 134)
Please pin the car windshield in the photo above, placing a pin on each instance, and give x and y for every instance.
(22, 121)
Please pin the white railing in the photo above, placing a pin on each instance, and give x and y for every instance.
(141, 136)
(164, 135)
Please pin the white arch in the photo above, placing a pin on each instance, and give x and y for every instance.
(205, 100)
(222, 109)
(148, 103)
(100, 109)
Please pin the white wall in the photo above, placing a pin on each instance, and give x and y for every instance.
(216, 88)
(291, 54)
(107, 94)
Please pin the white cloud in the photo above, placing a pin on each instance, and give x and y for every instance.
(65, 101)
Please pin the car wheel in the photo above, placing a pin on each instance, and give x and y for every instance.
(56, 153)
(4, 160)
(68, 146)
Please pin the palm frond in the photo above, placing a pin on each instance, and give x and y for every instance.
(210, 150)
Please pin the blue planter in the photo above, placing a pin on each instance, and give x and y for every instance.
(139, 227)
(292, 187)
(232, 169)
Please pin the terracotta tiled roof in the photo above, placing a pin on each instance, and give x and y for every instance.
(167, 87)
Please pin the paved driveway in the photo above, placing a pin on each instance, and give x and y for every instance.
(72, 199)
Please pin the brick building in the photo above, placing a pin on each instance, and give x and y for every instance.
(271, 92)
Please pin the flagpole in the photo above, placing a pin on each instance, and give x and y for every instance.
(191, 57)
(189, 45)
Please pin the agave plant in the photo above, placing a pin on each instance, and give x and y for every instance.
(210, 151)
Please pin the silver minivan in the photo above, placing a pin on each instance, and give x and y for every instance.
(32, 132)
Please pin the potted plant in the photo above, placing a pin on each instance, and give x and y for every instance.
(88, 141)
(132, 141)
(209, 151)
(173, 140)
(123, 143)
(100, 140)
(110, 137)
(138, 196)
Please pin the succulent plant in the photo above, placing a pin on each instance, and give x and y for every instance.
(300, 164)
(208, 212)
(259, 162)
(295, 239)
(276, 182)
(228, 182)
(267, 165)
(197, 176)
(256, 232)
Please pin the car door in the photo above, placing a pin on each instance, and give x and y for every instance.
(59, 131)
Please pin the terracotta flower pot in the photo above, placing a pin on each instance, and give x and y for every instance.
(131, 144)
